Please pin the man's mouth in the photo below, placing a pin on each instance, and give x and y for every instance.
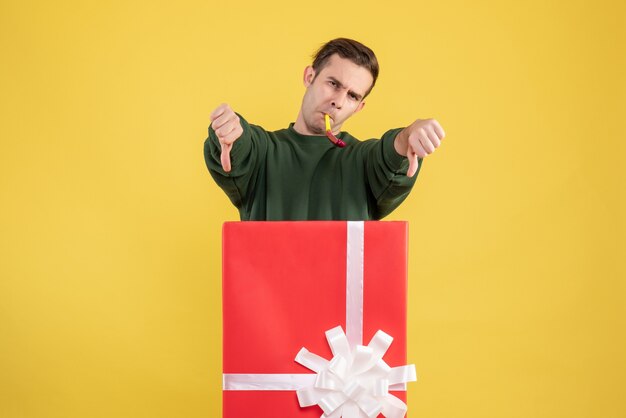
(329, 115)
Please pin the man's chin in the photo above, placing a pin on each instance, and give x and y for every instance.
(317, 130)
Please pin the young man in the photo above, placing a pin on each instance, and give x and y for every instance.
(299, 173)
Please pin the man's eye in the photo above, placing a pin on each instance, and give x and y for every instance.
(332, 83)
(353, 97)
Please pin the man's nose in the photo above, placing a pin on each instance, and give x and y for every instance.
(338, 100)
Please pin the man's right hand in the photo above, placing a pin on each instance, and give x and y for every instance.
(227, 127)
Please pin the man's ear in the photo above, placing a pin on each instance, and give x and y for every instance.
(309, 75)
(360, 106)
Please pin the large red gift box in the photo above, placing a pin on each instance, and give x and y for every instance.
(286, 283)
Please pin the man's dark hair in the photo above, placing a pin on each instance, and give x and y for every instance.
(349, 49)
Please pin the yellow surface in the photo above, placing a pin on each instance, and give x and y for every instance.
(110, 224)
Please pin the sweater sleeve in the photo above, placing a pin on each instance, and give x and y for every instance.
(246, 157)
(386, 174)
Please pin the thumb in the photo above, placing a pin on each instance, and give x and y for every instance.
(413, 164)
(225, 157)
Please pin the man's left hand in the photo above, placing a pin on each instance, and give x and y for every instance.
(419, 139)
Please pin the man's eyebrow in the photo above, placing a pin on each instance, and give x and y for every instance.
(340, 85)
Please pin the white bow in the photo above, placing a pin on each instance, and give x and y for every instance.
(356, 382)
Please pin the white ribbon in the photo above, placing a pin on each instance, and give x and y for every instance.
(356, 381)
(354, 282)
(275, 381)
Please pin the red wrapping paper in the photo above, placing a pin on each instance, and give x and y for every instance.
(284, 285)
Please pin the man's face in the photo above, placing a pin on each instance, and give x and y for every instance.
(338, 89)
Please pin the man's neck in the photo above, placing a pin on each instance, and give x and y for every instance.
(300, 127)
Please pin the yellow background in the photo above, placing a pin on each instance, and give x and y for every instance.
(110, 223)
